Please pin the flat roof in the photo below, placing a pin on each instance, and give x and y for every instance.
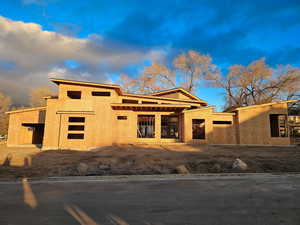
(165, 98)
(262, 105)
(119, 90)
(153, 107)
(27, 109)
(88, 83)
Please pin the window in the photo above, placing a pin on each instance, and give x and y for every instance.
(278, 125)
(75, 136)
(130, 101)
(146, 102)
(76, 127)
(221, 122)
(146, 126)
(74, 94)
(122, 117)
(169, 127)
(198, 127)
(100, 93)
(76, 119)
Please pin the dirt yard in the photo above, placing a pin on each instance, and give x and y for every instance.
(144, 159)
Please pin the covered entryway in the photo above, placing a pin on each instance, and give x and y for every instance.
(37, 132)
(149, 123)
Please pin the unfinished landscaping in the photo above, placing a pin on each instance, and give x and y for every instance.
(145, 159)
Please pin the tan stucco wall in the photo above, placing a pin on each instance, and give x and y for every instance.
(248, 126)
(18, 134)
(101, 125)
(214, 134)
(177, 95)
(224, 133)
(254, 125)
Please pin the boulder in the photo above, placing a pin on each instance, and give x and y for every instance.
(182, 169)
(239, 164)
(82, 168)
(217, 168)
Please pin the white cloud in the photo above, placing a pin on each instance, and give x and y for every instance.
(37, 53)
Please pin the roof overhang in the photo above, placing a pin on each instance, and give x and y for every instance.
(27, 110)
(179, 89)
(119, 91)
(203, 103)
(76, 112)
(149, 107)
(263, 105)
(86, 83)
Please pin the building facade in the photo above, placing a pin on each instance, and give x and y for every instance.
(88, 115)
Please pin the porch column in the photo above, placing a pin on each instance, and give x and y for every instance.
(157, 127)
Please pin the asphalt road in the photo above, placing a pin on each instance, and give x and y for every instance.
(212, 200)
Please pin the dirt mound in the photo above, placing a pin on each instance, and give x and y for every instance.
(145, 159)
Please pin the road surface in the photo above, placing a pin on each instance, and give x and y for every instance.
(207, 200)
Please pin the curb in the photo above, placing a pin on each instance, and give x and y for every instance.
(137, 178)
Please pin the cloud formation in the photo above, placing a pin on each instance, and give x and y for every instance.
(29, 55)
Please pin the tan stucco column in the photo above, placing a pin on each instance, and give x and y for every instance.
(157, 127)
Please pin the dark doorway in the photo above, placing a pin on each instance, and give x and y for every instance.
(169, 126)
(37, 132)
(198, 127)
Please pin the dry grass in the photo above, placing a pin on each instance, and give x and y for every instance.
(145, 159)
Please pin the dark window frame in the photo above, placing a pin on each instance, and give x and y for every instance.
(76, 119)
(121, 117)
(101, 93)
(222, 122)
(76, 128)
(74, 94)
(148, 102)
(76, 136)
(130, 101)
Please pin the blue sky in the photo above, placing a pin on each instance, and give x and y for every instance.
(232, 32)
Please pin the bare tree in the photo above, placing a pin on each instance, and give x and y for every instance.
(5, 103)
(156, 77)
(128, 84)
(37, 94)
(188, 70)
(192, 67)
(258, 83)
